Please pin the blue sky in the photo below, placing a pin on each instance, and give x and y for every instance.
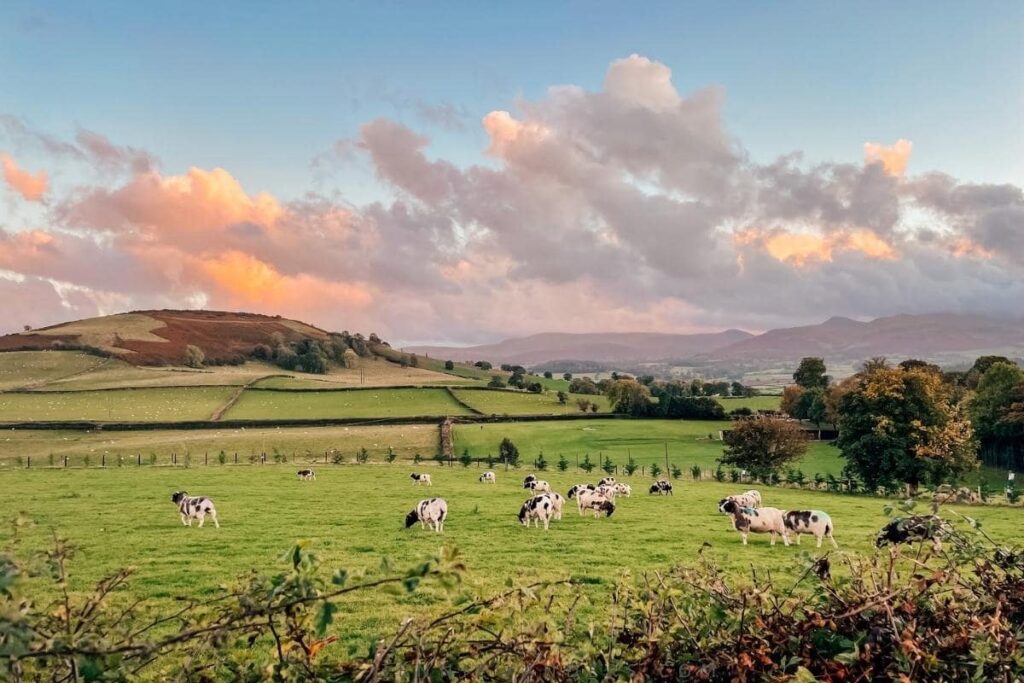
(415, 169)
(262, 88)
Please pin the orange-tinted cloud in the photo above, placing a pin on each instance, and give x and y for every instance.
(805, 248)
(507, 132)
(894, 158)
(31, 187)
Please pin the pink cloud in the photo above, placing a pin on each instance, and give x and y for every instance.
(30, 187)
(893, 158)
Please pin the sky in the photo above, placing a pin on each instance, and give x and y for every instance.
(463, 172)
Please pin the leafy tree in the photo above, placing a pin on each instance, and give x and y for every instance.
(696, 472)
(350, 359)
(997, 414)
(363, 456)
(313, 361)
(548, 375)
(496, 382)
(737, 389)
(449, 365)
(630, 397)
(691, 408)
(483, 365)
(980, 367)
(593, 407)
(811, 373)
(763, 445)
(567, 376)
(583, 404)
(508, 452)
(535, 387)
(719, 474)
(583, 385)
(563, 397)
(900, 426)
(791, 397)
(194, 356)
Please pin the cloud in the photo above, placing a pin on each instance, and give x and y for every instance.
(627, 207)
(30, 187)
(893, 158)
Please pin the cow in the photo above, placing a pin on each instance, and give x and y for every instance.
(592, 500)
(606, 490)
(194, 507)
(577, 488)
(306, 475)
(421, 479)
(528, 481)
(914, 528)
(559, 502)
(488, 477)
(430, 512)
(747, 499)
(661, 487)
(814, 522)
(755, 520)
(607, 481)
(540, 486)
(623, 490)
(537, 509)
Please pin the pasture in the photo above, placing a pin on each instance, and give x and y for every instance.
(23, 369)
(135, 405)
(361, 403)
(521, 403)
(755, 403)
(352, 518)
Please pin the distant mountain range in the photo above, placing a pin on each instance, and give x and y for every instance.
(931, 337)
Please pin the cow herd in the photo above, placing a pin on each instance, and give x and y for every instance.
(545, 505)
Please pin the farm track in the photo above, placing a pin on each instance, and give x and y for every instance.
(233, 399)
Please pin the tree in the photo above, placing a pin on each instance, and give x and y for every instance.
(449, 365)
(548, 375)
(997, 414)
(563, 397)
(630, 397)
(194, 356)
(608, 466)
(763, 445)
(483, 365)
(587, 465)
(791, 396)
(738, 389)
(508, 452)
(655, 470)
(811, 373)
(350, 358)
(900, 426)
(567, 376)
(563, 463)
(690, 408)
(583, 385)
(583, 404)
(535, 387)
(496, 382)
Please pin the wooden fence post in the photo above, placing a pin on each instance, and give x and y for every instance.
(236, 457)
(103, 460)
(65, 461)
(138, 459)
(28, 463)
(206, 458)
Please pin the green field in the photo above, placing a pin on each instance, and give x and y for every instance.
(93, 507)
(136, 405)
(34, 368)
(363, 403)
(524, 403)
(298, 443)
(645, 440)
(752, 402)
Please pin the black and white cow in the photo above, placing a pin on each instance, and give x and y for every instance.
(662, 487)
(306, 475)
(540, 486)
(747, 499)
(489, 477)
(814, 522)
(528, 481)
(914, 528)
(748, 520)
(421, 479)
(623, 490)
(194, 507)
(538, 509)
(607, 481)
(558, 501)
(594, 501)
(431, 512)
(577, 488)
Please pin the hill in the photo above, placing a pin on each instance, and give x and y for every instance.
(160, 337)
(605, 347)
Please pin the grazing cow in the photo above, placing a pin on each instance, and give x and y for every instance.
(194, 507)
(662, 487)
(540, 486)
(623, 490)
(538, 509)
(755, 520)
(488, 477)
(747, 499)
(421, 479)
(558, 501)
(607, 481)
(528, 481)
(306, 475)
(592, 500)
(606, 490)
(577, 488)
(813, 522)
(914, 528)
(432, 512)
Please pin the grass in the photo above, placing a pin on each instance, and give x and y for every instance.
(753, 402)
(644, 440)
(369, 403)
(297, 442)
(93, 507)
(104, 331)
(32, 368)
(137, 405)
(525, 403)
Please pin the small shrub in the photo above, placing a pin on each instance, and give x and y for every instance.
(630, 467)
(696, 472)
(675, 471)
(608, 466)
(50, 459)
(152, 458)
(337, 457)
(587, 466)
(222, 457)
(656, 470)
(819, 480)
(390, 456)
(542, 464)
(563, 463)
(417, 458)
(509, 452)
(87, 460)
(719, 474)
(188, 460)
(465, 460)
(439, 458)
(363, 456)
(1012, 494)
(277, 456)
